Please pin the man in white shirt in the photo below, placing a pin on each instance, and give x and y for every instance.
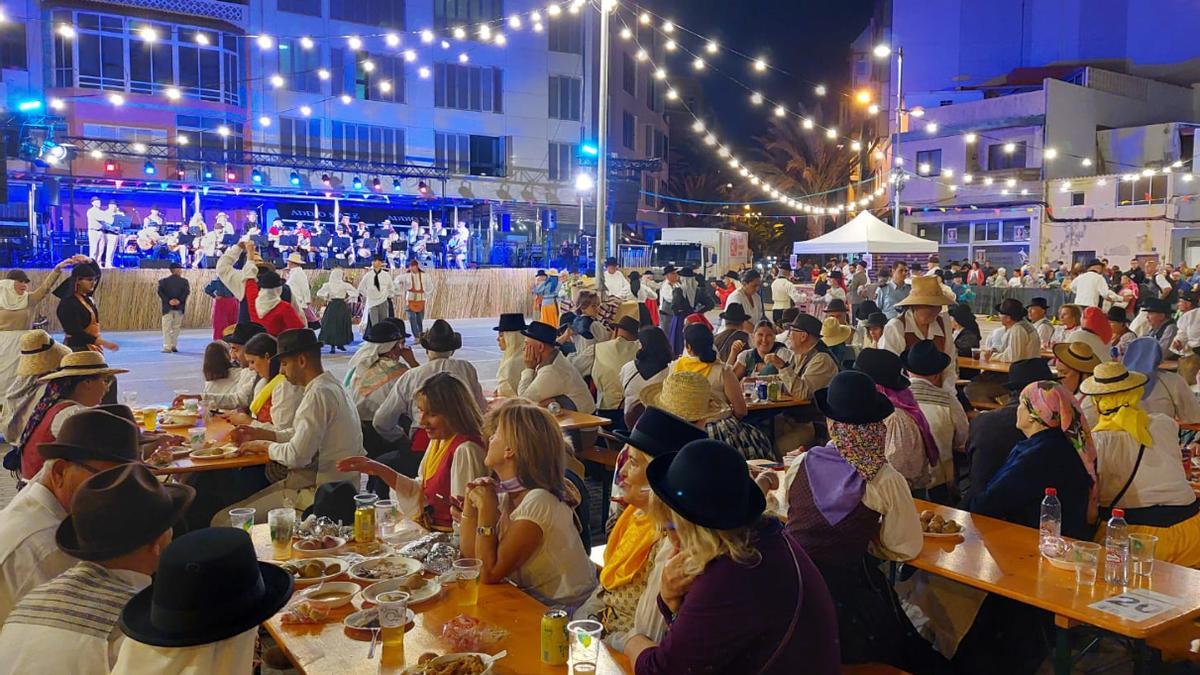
(611, 356)
(1187, 326)
(547, 373)
(97, 221)
(781, 294)
(121, 520)
(326, 429)
(947, 419)
(1021, 338)
(747, 296)
(89, 442)
(1037, 316)
(375, 288)
(111, 233)
(921, 318)
(297, 281)
(1091, 287)
(410, 288)
(440, 343)
(665, 293)
(615, 283)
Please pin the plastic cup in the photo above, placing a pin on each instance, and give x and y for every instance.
(976, 352)
(393, 615)
(242, 517)
(387, 516)
(584, 639)
(129, 398)
(282, 523)
(466, 572)
(196, 438)
(1141, 552)
(1087, 560)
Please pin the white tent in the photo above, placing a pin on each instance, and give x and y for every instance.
(865, 234)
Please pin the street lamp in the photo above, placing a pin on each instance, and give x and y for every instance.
(584, 183)
(883, 51)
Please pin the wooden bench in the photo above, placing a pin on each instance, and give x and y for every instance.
(1181, 643)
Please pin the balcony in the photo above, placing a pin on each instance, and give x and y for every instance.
(233, 13)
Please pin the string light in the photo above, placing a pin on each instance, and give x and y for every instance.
(392, 39)
(819, 90)
(264, 41)
(626, 33)
(346, 99)
(641, 55)
(57, 104)
(760, 65)
(514, 22)
(969, 138)
(277, 81)
(698, 63)
(116, 99)
(323, 73)
(223, 131)
(756, 98)
(463, 58)
(423, 73)
(202, 39)
(264, 121)
(645, 18)
(172, 93)
(712, 47)
(66, 31)
(305, 111)
(668, 27)
(306, 43)
(148, 34)
(368, 66)
(427, 36)
(410, 55)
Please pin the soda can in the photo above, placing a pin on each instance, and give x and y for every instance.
(554, 637)
(775, 390)
(761, 391)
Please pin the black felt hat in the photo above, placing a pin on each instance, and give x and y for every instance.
(883, 366)
(708, 483)
(835, 305)
(243, 331)
(924, 358)
(106, 433)
(735, 313)
(658, 432)
(511, 323)
(382, 332)
(1117, 314)
(1012, 308)
(119, 510)
(296, 340)
(1024, 372)
(441, 338)
(806, 323)
(1156, 306)
(1039, 302)
(852, 398)
(877, 320)
(542, 332)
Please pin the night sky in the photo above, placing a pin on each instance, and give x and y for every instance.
(809, 39)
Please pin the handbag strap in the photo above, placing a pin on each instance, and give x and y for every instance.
(1125, 488)
(791, 629)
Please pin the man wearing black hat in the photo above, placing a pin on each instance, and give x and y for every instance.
(1036, 312)
(1187, 336)
(611, 357)
(808, 366)
(733, 338)
(326, 429)
(375, 288)
(948, 423)
(1162, 324)
(173, 290)
(1020, 340)
(121, 520)
(615, 283)
(666, 293)
(88, 443)
(548, 374)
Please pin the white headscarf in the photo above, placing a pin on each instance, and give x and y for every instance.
(368, 355)
(231, 656)
(10, 299)
(267, 299)
(512, 363)
(335, 285)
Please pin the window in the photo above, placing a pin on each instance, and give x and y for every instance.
(1077, 199)
(388, 13)
(366, 143)
(470, 154)
(562, 162)
(987, 231)
(1016, 230)
(1142, 190)
(660, 145)
(299, 137)
(299, 67)
(384, 81)
(110, 132)
(628, 74)
(629, 130)
(12, 46)
(999, 159)
(566, 34)
(653, 100)
(205, 143)
(151, 66)
(565, 98)
(309, 7)
(462, 87)
(648, 141)
(929, 162)
(453, 13)
(650, 190)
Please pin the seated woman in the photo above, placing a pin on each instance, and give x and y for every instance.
(1118, 320)
(689, 396)
(454, 458)
(910, 448)
(512, 348)
(836, 337)
(649, 365)
(625, 600)
(739, 595)
(1074, 363)
(846, 506)
(751, 362)
(221, 377)
(275, 400)
(700, 356)
(966, 329)
(521, 523)
(1139, 466)
(1167, 393)
(871, 332)
(376, 365)
(40, 355)
(1094, 332)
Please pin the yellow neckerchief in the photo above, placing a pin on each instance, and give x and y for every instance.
(261, 398)
(434, 455)
(629, 546)
(1122, 412)
(692, 364)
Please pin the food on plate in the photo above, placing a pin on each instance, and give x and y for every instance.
(318, 543)
(932, 523)
(303, 613)
(161, 458)
(312, 569)
(453, 664)
(413, 582)
(384, 568)
(330, 595)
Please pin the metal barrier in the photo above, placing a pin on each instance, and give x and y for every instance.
(987, 297)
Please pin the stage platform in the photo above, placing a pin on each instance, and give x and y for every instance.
(128, 298)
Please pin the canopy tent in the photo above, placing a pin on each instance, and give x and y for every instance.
(865, 234)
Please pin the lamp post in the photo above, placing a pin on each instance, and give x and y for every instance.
(882, 51)
(606, 6)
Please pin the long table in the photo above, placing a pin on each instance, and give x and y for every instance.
(326, 648)
(992, 365)
(999, 557)
(216, 430)
(784, 402)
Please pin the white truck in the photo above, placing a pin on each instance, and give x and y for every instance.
(712, 252)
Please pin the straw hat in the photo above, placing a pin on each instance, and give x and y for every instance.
(833, 332)
(1111, 378)
(79, 364)
(925, 291)
(685, 395)
(1077, 356)
(40, 354)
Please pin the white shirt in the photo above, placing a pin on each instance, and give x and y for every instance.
(411, 286)
(372, 296)
(29, 555)
(222, 389)
(559, 571)
(1160, 479)
(611, 358)
(1045, 331)
(616, 285)
(1089, 288)
(98, 218)
(1022, 343)
(752, 305)
(557, 378)
(236, 396)
(234, 656)
(781, 293)
(893, 341)
(665, 294)
(1172, 397)
(326, 429)
(301, 292)
(466, 466)
(401, 400)
(285, 401)
(633, 382)
(1187, 332)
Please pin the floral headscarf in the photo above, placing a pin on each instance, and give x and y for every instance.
(861, 445)
(1051, 405)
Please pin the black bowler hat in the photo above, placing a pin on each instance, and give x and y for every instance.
(1117, 314)
(1189, 296)
(540, 273)
(835, 305)
(687, 272)
(883, 366)
(582, 325)
(610, 262)
(1012, 308)
(708, 483)
(398, 323)
(1023, 373)
(105, 433)
(1156, 306)
(296, 340)
(732, 275)
(542, 332)
(658, 432)
(852, 398)
(384, 331)
(964, 316)
(668, 269)
(511, 323)
(1095, 262)
(243, 331)
(924, 358)
(877, 320)
(209, 586)
(1039, 302)
(174, 266)
(806, 323)
(629, 325)
(269, 279)
(119, 510)
(441, 338)
(735, 313)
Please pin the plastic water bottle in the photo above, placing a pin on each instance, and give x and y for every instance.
(1050, 524)
(1116, 550)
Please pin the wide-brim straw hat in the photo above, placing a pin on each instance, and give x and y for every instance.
(685, 395)
(1078, 356)
(80, 364)
(1111, 378)
(834, 333)
(40, 354)
(925, 291)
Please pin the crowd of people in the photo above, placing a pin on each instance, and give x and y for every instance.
(793, 562)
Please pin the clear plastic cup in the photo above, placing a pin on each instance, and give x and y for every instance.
(584, 639)
(387, 516)
(466, 574)
(282, 523)
(1141, 553)
(393, 615)
(242, 517)
(1086, 555)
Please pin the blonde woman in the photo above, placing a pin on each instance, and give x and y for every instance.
(728, 561)
(521, 523)
(454, 458)
(512, 347)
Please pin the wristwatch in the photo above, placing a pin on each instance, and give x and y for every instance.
(485, 531)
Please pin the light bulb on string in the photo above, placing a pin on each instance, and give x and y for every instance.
(756, 98)
(645, 18)
(626, 33)
(460, 33)
(392, 40)
(641, 55)
(202, 39)
(485, 32)
(427, 36)
(66, 31)
(660, 74)
(831, 133)
(970, 138)
(305, 111)
(368, 66)
(410, 55)
(148, 34)
(760, 65)
(354, 42)
(807, 123)
(670, 45)
(277, 81)
(306, 43)
(855, 146)
(698, 127)
(819, 90)
(346, 99)
(698, 63)
(323, 73)
(445, 44)
(537, 27)
(780, 111)
(423, 72)
(553, 10)
(514, 22)
(172, 93)
(264, 41)
(264, 121)
(463, 57)
(668, 27)
(712, 47)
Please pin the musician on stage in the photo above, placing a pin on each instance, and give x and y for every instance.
(251, 222)
(155, 218)
(417, 242)
(207, 246)
(148, 236)
(176, 242)
(457, 246)
(97, 220)
(223, 225)
(344, 256)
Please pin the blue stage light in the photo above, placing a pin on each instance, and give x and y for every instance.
(294, 179)
(148, 168)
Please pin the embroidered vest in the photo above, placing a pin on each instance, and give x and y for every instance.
(436, 487)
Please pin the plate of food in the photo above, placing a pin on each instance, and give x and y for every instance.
(330, 595)
(363, 623)
(177, 419)
(464, 663)
(419, 588)
(218, 452)
(318, 547)
(380, 569)
(935, 526)
(314, 570)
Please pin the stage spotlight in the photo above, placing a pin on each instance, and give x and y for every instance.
(230, 175)
(326, 180)
(397, 185)
(376, 185)
(357, 183)
(256, 176)
(148, 168)
(180, 172)
(207, 172)
(294, 179)
(110, 167)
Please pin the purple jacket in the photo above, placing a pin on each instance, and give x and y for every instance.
(734, 617)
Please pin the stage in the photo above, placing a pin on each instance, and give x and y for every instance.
(128, 297)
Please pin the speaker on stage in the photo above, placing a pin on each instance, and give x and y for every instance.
(50, 190)
(623, 200)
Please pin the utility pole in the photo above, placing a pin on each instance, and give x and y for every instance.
(602, 148)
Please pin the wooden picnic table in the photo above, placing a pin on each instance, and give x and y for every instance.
(326, 648)
(1000, 557)
(991, 365)
(784, 402)
(573, 420)
(217, 429)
